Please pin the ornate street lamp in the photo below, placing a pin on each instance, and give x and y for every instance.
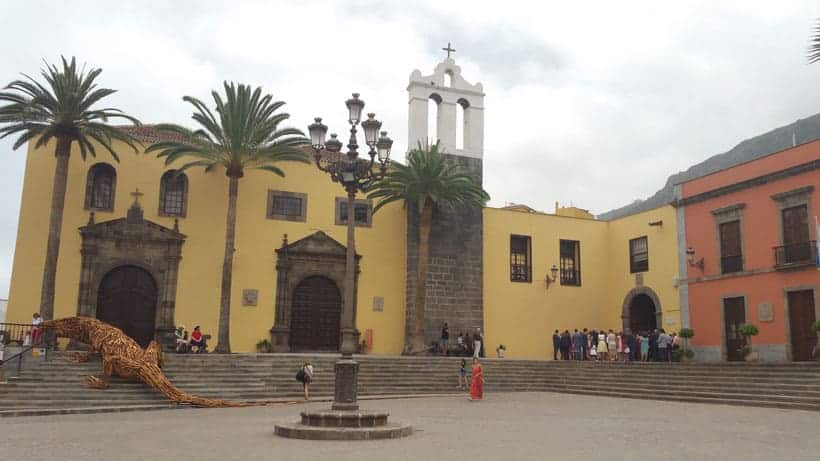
(344, 421)
(354, 174)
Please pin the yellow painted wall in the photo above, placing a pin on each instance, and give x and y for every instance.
(382, 246)
(522, 316)
(663, 260)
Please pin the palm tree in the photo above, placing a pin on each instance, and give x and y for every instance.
(243, 134)
(426, 182)
(60, 110)
(814, 45)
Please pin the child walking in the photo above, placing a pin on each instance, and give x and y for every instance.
(462, 375)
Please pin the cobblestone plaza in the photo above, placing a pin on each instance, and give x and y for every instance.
(517, 426)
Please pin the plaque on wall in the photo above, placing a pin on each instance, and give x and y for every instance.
(378, 304)
(765, 312)
(249, 296)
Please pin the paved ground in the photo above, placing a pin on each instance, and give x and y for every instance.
(518, 426)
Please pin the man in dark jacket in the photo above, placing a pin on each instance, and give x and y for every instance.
(556, 344)
(577, 348)
(566, 344)
(653, 346)
(584, 344)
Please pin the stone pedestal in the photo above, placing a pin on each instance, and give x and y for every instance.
(343, 425)
(346, 387)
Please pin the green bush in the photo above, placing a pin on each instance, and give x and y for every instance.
(817, 325)
(686, 333)
(264, 346)
(747, 329)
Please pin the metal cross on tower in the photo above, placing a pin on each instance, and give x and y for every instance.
(449, 50)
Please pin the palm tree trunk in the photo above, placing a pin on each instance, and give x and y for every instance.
(223, 345)
(55, 226)
(421, 282)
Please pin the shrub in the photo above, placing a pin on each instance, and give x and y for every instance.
(686, 333)
(817, 325)
(264, 346)
(747, 329)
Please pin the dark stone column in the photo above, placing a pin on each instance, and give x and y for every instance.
(455, 292)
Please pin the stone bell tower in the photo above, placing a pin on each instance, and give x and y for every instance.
(455, 275)
(447, 89)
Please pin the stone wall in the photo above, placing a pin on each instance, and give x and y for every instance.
(455, 276)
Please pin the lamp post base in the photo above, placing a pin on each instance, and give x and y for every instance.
(346, 388)
(343, 425)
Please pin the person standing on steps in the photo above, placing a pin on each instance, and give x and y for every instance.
(445, 339)
(556, 345)
(477, 346)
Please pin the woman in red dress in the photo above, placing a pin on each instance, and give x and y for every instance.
(477, 381)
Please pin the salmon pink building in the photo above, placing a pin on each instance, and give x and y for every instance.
(748, 247)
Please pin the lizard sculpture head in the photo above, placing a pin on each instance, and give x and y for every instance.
(76, 328)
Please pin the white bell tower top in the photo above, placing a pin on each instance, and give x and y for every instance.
(423, 88)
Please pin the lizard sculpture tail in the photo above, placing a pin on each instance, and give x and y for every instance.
(122, 356)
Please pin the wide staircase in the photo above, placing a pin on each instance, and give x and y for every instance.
(55, 385)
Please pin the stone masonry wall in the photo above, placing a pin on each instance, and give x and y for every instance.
(455, 272)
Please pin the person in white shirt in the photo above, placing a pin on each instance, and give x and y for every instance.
(307, 368)
(36, 329)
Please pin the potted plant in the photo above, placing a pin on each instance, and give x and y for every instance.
(686, 334)
(747, 330)
(500, 351)
(264, 346)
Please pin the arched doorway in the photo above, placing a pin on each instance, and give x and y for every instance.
(127, 299)
(642, 314)
(641, 310)
(316, 315)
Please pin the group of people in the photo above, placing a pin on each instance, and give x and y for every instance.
(465, 345)
(646, 346)
(195, 344)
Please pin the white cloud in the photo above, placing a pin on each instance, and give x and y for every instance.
(593, 103)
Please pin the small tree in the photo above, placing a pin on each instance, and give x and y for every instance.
(747, 330)
(686, 334)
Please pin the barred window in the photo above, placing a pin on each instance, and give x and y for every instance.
(173, 194)
(570, 255)
(520, 259)
(100, 185)
(288, 206)
(638, 255)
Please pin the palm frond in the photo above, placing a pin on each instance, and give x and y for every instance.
(428, 177)
(240, 132)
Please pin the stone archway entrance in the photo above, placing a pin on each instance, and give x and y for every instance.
(310, 290)
(641, 310)
(315, 323)
(127, 299)
(126, 263)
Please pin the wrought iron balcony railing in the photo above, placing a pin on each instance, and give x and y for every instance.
(796, 254)
(570, 277)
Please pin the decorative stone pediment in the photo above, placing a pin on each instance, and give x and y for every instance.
(131, 228)
(316, 244)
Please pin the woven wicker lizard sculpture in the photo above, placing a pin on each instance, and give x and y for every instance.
(123, 357)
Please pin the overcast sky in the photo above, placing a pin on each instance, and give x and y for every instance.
(593, 104)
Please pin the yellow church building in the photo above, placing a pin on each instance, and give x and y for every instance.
(142, 248)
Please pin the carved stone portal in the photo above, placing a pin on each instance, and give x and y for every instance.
(315, 256)
(132, 241)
